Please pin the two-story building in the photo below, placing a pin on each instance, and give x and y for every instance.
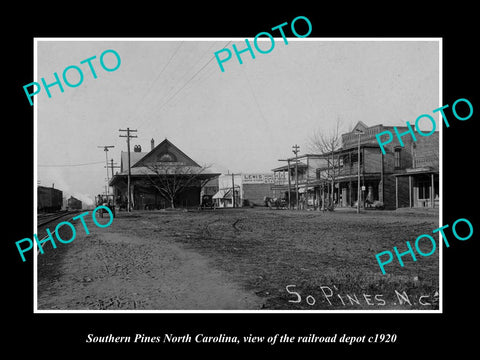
(404, 176)
(300, 176)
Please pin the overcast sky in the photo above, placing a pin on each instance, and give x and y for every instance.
(241, 120)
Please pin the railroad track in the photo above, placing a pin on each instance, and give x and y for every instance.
(44, 219)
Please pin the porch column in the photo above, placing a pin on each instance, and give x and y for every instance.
(350, 202)
(396, 192)
(432, 192)
(410, 190)
(306, 188)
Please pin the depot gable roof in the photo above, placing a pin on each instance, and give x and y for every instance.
(165, 153)
(134, 157)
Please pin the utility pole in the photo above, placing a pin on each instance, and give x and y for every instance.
(359, 133)
(105, 148)
(289, 183)
(289, 186)
(112, 166)
(233, 190)
(106, 189)
(128, 136)
(295, 151)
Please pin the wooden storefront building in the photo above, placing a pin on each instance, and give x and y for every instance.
(404, 176)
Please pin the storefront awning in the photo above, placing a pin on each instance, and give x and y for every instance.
(418, 171)
(223, 194)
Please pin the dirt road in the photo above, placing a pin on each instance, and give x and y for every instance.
(241, 259)
(114, 268)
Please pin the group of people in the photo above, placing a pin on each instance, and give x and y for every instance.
(105, 201)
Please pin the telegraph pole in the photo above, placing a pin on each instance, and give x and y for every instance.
(128, 136)
(359, 133)
(112, 166)
(289, 183)
(289, 186)
(295, 151)
(233, 190)
(105, 148)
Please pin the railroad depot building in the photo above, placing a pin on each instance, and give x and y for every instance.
(156, 174)
(405, 176)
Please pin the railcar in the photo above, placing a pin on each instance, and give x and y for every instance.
(74, 203)
(49, 199)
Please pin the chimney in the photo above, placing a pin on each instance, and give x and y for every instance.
(153, 143)
(137, 148)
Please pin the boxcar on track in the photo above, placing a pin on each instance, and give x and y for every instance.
(49, 199)
(74, 203)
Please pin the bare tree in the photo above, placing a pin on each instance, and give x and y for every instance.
(170, 180)
(328, 143)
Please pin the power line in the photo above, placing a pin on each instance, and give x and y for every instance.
(67, 165)
(203, 76)
(208, 62)
(168, 89)
(255, 99)
(157, 77)
(189, 80)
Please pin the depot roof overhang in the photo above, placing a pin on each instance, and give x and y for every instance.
(122, 177)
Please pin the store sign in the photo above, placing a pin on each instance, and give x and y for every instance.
(262, 178)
